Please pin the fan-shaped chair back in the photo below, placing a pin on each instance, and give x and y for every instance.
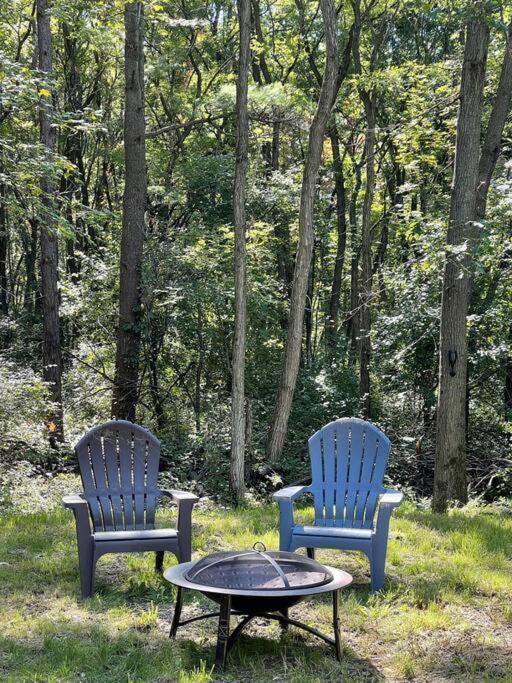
(119, 469)
(348, 459)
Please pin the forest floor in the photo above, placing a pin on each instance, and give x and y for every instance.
(445, 613)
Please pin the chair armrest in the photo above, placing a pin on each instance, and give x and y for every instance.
(391, 498)
(185, 502)
(179, 496)
(74, 501)
(290, 493)
(80, 508)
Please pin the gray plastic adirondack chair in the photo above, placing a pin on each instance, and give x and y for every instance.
(116, 512)
(348, 459)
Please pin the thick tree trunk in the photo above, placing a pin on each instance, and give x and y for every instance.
(450, 462)
(237, 473)
(292, 348)
(134, 205)
(51, 356)
(341, 230)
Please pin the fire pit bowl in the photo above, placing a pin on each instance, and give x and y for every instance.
(256, 583)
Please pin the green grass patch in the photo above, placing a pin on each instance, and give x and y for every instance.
(444, 613)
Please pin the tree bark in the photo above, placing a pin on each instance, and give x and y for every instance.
(237, 473)
(134, 206)
(73, 143)
(51, 348)
(292, 348)
(352, 319)
(450, 458)
(4, 243)
(365, 289)
(341, 230)
(491, 146)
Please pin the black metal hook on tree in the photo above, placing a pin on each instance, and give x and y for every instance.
(452, 359)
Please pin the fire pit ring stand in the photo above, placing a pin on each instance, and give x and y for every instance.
(274, 581)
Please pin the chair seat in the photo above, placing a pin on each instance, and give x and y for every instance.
(336, 532)
(137, 535)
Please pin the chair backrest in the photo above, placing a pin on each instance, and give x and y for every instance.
(119, 469)
(348, 459)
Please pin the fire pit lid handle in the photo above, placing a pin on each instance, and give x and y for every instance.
(264, 554)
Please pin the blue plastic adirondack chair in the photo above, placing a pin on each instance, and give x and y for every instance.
(116, 512)
(348, 459)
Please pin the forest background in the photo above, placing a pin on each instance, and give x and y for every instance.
(311, 206)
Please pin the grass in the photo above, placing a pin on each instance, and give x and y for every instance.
(445, 613)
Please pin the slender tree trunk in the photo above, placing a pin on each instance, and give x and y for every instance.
(450, 462)
(507, 393)
(134, 206)
(365, 290)
(292, 348)
(237, 473)
(73, 143)
(352, 320)
(491, 146)
(4, 242)
(199, 369)
(51, 348)
(341, 225)
(30, 259)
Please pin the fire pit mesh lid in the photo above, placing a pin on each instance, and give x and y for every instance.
(258, 570)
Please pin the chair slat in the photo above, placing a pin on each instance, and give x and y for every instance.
(342, 455)
(367, 465)
(355, 459)
(100, 477)
(315, 455)
(329, 455)
(84, 460)
(125, 447)
(381, 459)
(153, 457)
(140, 446)
(110, 443)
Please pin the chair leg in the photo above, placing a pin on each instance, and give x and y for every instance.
(159, 561)
(311, 553)
(377, 569)
(87, 566)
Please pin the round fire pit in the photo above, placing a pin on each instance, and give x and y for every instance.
(256, 583)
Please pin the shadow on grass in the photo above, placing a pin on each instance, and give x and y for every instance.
(467, 660)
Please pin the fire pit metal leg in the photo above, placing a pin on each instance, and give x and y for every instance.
(238, 630)
(177, 613)
(284, 624)
(223, 633)
(336, 623)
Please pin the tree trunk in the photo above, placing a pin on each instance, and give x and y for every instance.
(365, 290)
(352, 320)
(134, 205)
(292, 348)
(450, 460)
(507, 393)
(51, 349)
(73, 143)
(4, 242)
(341, 225)
(491, 146)
(237, 474)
